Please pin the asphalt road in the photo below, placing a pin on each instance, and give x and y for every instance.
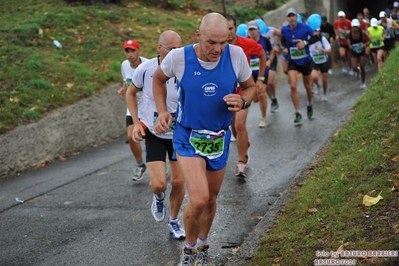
(87, 210)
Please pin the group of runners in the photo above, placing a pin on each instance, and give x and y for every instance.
(189, 102)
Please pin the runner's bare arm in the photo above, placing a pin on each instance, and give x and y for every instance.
(159, 91)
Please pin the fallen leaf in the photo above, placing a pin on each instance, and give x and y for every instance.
(278, 259)
(15, 100)
(234, 250)
(342, 176)
(369, 201)
(69, 85)
(68, 202)
(341, 248)
(312, 210)
(395, 159)
(61, 158)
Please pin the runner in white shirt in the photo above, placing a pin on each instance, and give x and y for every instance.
(320, 52)
(157, 146)
(131, 49)
(271, 34)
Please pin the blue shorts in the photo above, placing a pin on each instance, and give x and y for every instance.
(182, 146)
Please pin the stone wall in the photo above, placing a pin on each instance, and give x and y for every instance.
(89, 123)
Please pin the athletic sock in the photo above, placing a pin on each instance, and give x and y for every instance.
(191, 245)
(202, 241)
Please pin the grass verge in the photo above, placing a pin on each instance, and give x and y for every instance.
(37, 77)
(327, 213)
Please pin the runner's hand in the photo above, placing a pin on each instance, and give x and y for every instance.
(234, 102)
(163, 123)
(138, 132)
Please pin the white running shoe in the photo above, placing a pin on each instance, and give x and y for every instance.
(350, 72)
(203, 256)
(330, 71)
(363, 86)
(263, 123)
(344, 69)
(175, 229)
(324, 98)
(139, 172)
(158, 209)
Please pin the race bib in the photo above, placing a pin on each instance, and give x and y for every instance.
(326, 35)
(376, 43)
(208, 143)
(319, 58)
(295, 53)
(388, 35)
(128, 81)
(172, 125)
(254, 63)
(358, 48)
(342, 34)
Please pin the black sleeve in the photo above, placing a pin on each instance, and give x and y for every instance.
(332, 31)
(268, 44)
(314, 39)
(283, 42)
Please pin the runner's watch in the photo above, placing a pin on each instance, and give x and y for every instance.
(245, 104)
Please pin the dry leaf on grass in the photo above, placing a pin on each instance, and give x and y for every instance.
(369, 201)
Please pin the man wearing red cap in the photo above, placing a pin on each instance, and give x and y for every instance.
(131, 49)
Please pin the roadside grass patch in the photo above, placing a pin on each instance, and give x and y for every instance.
(327, 213)
(37, 77)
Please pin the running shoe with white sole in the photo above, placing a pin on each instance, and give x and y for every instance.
(240, 170)
(203, 258)
(139, 172)
(175, 229)
(158, 208)
(344, 69)
(274, 106)
(363, 86)
(189, 257)
(263, 123)
(350, 72)
(324, 98)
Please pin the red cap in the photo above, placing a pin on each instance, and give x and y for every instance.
(132, 44)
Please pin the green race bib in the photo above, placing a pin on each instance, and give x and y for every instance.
(208, 143)
(128, 81)
(319, 59)
(295, 53)
(376, 44)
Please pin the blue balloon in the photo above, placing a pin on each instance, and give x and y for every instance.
(314, 21)
(242, 30)
(299, 18)
(262, 26)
